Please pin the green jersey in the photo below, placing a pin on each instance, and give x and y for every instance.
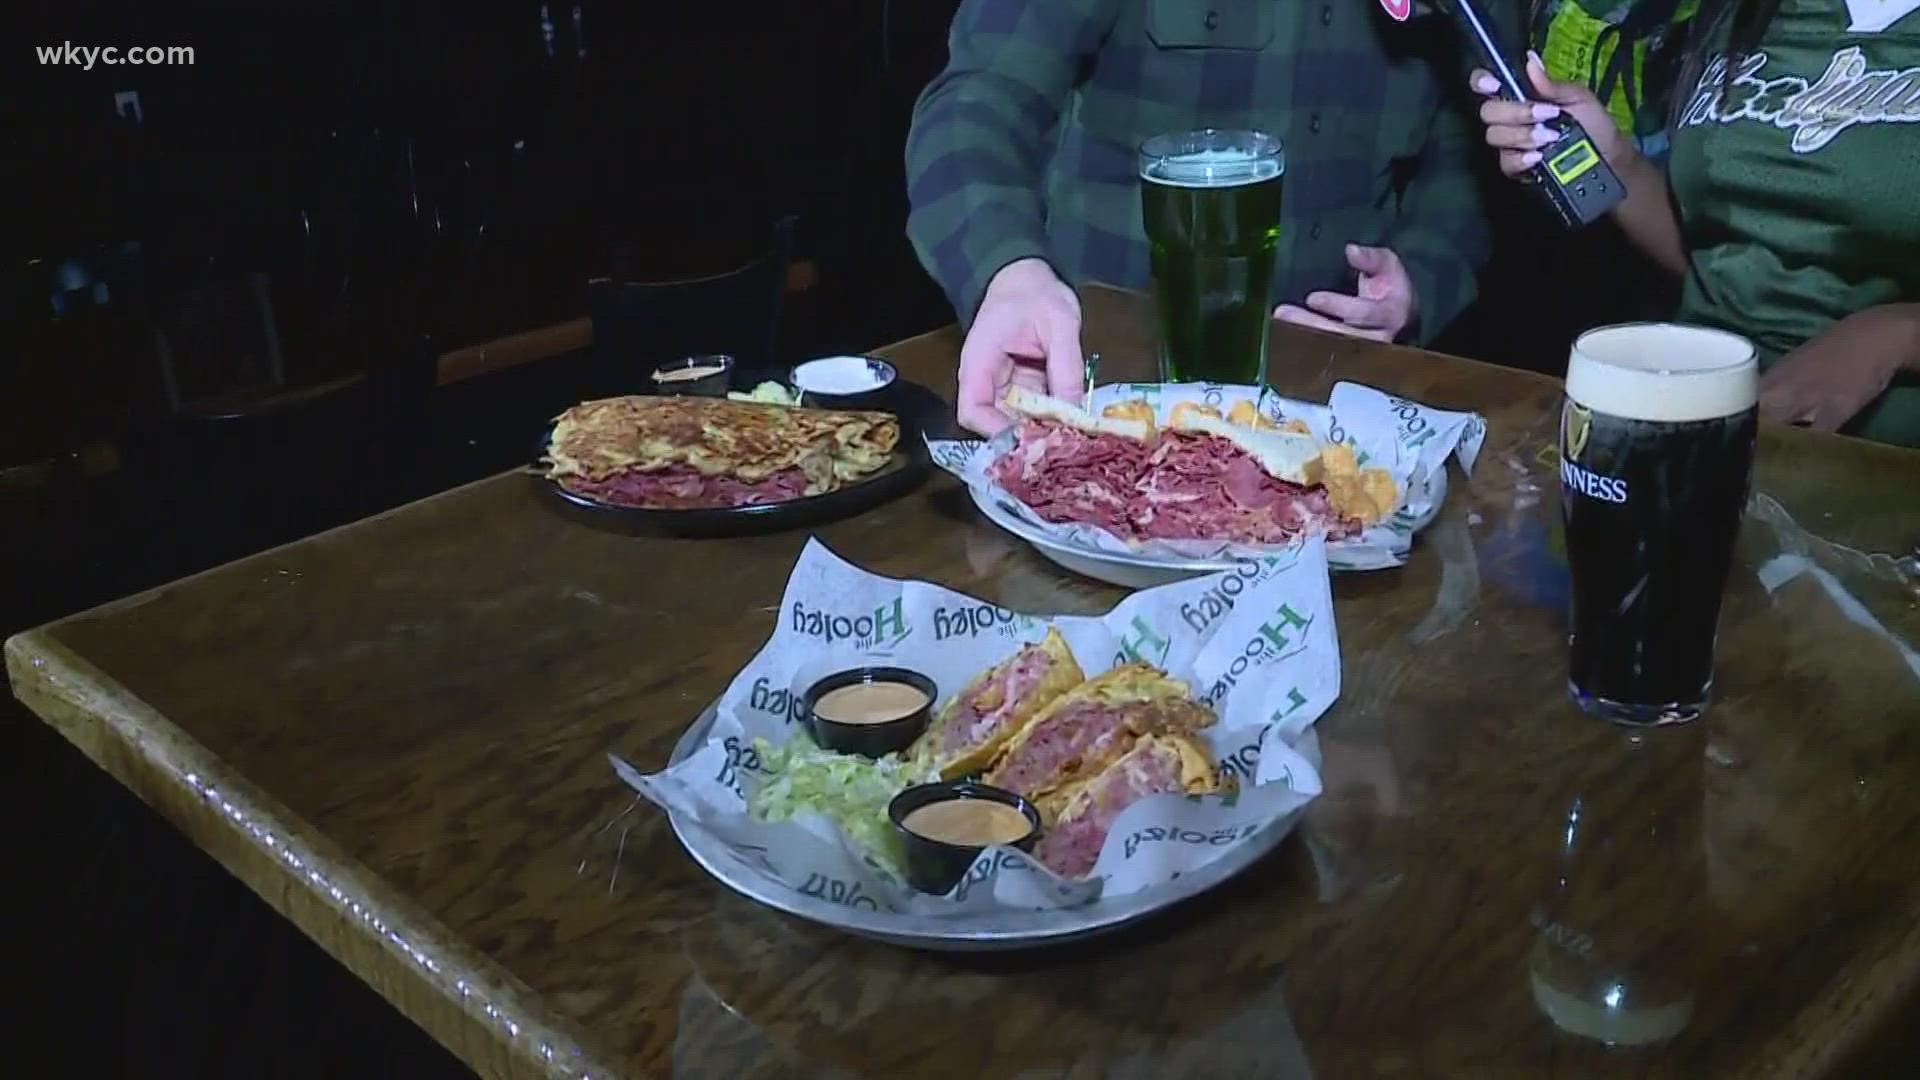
(1626, 51)
(1794, 177)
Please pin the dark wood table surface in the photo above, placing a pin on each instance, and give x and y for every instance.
(397, 732)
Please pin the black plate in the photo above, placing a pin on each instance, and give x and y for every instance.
(920, 411)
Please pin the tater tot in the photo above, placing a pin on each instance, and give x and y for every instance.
(1192, 408)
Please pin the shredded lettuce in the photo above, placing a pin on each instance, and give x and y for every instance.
(768, 393)
(852, 792)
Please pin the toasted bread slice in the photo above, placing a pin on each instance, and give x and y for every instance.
(1032, 404)
(977, 723)
(1283, 454)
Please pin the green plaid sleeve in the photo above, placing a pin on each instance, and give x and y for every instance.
(981, 133)
(1444, 237)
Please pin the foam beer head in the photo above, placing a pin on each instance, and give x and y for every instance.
(1187, 161)
(1663, 372)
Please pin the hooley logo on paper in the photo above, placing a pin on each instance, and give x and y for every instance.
(1282, 636)
(1223, 594)
(883, 627)
(953, 456)
(1141, 644)
(765, 697)
(1416, 428)
(1242, 766)
(1338, 434)
(970, 621)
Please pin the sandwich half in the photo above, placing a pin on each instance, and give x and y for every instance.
(973, 727)
(1163, 764)
(1090, 726)
(1287, 456)
(1071, 466)
(1210, 479)
(1236, 478)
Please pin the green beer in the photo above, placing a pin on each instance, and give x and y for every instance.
(1211, 203)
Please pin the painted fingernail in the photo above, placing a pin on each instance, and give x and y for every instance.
(1486, 84)
(1530, 158)
(1543, 136)
(1543, 111)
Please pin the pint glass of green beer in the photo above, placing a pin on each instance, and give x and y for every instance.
(1211, 202)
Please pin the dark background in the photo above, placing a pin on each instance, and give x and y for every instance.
(393, 171)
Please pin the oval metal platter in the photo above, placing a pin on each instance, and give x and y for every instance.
(1002, 932)
(1126, 569)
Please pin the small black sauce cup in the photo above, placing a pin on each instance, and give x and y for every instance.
(712, 385)
(869, 740)
(886, 377)
(934, 866)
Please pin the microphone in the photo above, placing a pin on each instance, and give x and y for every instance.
(1572, 179)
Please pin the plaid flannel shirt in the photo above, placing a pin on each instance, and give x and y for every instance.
(1025, 145)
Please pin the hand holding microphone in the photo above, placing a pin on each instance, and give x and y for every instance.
(1546, 141)
(1521, 130)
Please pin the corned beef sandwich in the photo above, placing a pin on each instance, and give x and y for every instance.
(1099, 748)
(1163, 764)
(1084, 730)
(1203, 477)
(969, 732)
(1083, 750)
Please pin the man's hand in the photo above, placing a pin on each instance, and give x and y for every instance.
(1027, 331)
(1829, 380)
(1385, 306)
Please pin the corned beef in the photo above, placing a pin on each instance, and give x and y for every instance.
(1200, 487)
(1065, 474)
(982, 715)
(682, 487)
(1055, 751)
(1182, 486)
(1073, 845)
(1080, 739)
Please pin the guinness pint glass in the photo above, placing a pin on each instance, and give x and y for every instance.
(1656, 455)
(1211, 205)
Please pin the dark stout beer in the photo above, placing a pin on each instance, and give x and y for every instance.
(1656, 455)
(1210, 201)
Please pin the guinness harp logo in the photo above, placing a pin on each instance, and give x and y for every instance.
(1576, 423)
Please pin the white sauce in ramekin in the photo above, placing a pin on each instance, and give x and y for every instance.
(840, 375)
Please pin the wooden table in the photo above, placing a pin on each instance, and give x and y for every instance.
(396, 733)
